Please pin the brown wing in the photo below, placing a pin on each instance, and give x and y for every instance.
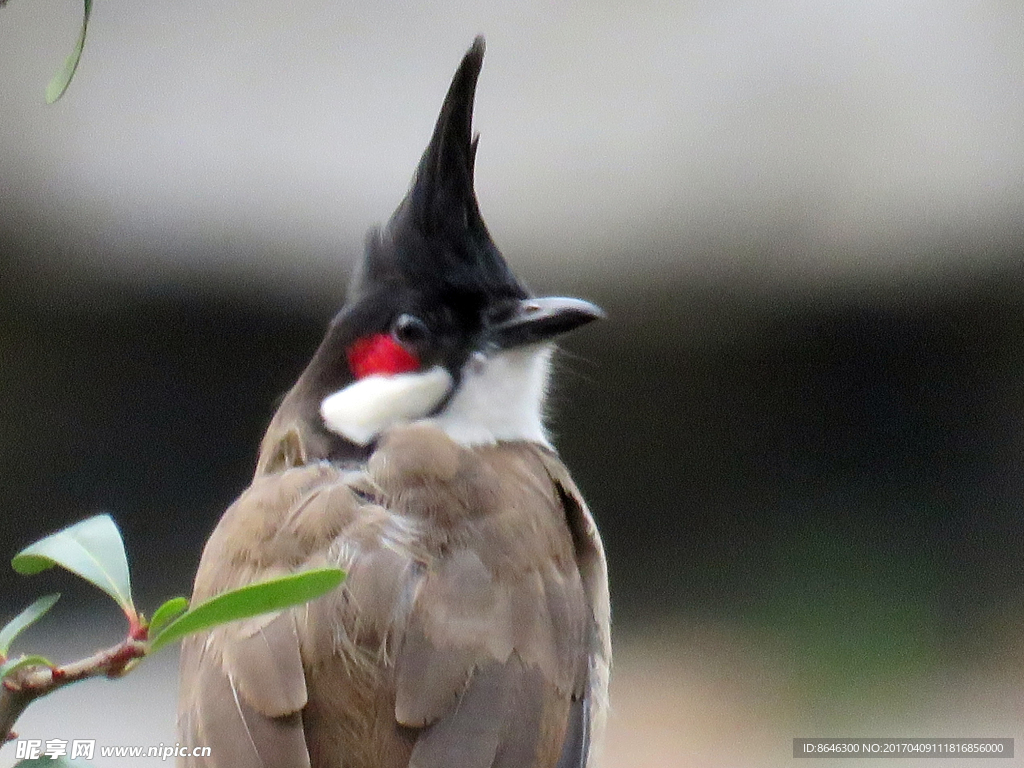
(463, 635)
(582, 746)
(493, 659)
(243, 685)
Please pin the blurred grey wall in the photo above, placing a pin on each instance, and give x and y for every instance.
(800, 428)
(251, 143)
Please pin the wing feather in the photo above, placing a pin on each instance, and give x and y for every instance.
(262, 657)
(243, 685)
(237, 733)
(469, 736)
(494, 653)
(593, 569)
(472, 630)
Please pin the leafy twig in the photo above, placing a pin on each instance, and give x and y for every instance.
(26, 685)
(94, 550)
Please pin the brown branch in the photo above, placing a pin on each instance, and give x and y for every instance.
(26, 685)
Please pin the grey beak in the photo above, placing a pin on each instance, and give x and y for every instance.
(536, 320)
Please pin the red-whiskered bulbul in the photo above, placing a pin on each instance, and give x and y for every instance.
(472, 630)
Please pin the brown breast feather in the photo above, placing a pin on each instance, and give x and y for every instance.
(470, 631)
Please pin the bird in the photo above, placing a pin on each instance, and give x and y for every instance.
(472, 629)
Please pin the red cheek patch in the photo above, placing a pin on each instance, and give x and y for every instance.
(380, 355)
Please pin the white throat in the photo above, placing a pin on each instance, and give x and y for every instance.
(500, 397)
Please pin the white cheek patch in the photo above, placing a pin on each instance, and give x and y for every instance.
(367, 407)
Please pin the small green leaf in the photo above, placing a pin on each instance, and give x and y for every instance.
(93, 549)
(62, 79)
(165, 613)
(251, 600)
(24, 620)
(13, 665)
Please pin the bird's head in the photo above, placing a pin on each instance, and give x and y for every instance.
(435, 325)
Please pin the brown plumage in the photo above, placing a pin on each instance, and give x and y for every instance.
(472, 629)
(474, 615)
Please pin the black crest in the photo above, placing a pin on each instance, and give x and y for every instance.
(436, 237)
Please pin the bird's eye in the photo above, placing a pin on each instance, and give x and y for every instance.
(410, 331)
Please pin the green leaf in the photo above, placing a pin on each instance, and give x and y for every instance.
(165, 613)
(251, 600)
(13, 665)
(62, 79)
(93, 549)
(24, 620)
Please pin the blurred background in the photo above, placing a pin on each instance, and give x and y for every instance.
(801, 428)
